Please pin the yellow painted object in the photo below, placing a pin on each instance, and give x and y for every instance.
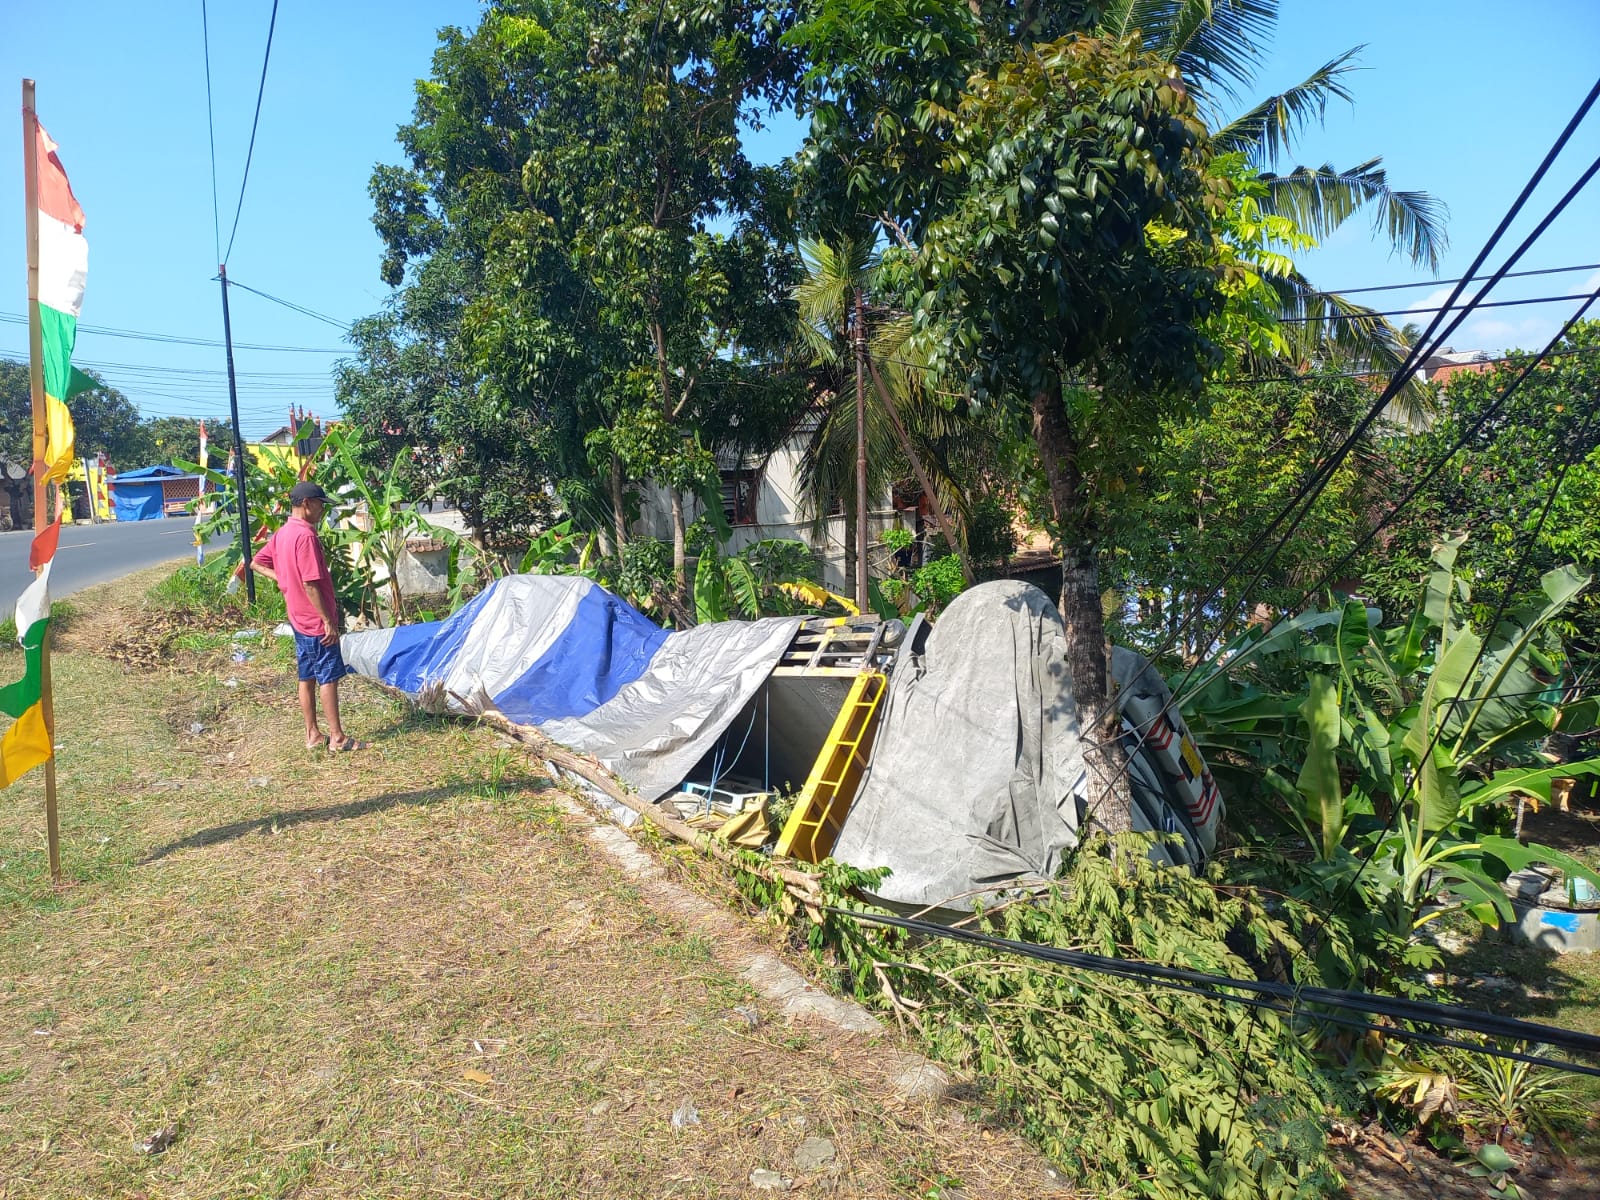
(825, 800)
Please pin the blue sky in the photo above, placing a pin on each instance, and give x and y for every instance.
(1458, 100)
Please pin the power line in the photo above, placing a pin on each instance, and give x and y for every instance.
(1425, 345)
(178, 340)
(254, 122)
(301, 309)
(211, 133)
(1400, 287)
(1367, 313)
(1283, 998)
(201, 374)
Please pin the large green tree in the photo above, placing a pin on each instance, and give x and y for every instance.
(617, 270)
(1497, 486)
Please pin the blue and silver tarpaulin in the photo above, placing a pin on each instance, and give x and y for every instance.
(590, 671)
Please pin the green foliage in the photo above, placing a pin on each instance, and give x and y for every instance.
(1429, 720)
(1495, 1099)
(939, 582)
(1131, 1088)
(1216, 477)
(199, 593)
(1499, 483)
(775, 577)
(370, 516)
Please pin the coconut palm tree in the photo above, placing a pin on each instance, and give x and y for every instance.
(903, 426)
(1217, 47)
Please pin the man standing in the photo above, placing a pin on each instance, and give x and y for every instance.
(293, 559)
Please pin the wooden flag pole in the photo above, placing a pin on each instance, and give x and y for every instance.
(41, 506)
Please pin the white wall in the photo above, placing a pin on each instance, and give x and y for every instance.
(779, 515)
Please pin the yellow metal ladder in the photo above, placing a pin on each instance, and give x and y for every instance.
(825, 799)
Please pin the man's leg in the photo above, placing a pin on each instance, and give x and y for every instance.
(308, 709)
(330, 709)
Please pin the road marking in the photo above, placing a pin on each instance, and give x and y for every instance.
(76, 546)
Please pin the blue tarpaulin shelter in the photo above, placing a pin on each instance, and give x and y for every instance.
(143, 495)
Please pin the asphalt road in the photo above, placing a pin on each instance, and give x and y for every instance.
(91, 554)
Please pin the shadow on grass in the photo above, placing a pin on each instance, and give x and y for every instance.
(283, 819)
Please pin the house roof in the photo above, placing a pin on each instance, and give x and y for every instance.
(147, 474)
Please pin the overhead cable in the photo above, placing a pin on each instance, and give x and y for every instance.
(1284, 998)
(254, 122)
(1427, 344)
(1401, 287)
(1365, 313)
(7, 318)
(211, 132)
(293, 307)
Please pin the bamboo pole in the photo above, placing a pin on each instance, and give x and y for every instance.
(41, 506)
(803, 885)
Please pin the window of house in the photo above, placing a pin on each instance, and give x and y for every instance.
(739, 492)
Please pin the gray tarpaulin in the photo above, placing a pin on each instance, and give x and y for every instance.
(564, 654)
(976, 763)
(657, 727)
(977, 774)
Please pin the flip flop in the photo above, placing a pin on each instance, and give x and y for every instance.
(320, 744)
(347, 745)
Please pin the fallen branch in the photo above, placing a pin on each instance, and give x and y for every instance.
(803, 885)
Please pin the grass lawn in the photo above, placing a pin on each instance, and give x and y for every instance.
(401, 972)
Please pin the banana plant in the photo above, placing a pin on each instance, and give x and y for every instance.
(1429, 722)
(767, 578)
(374, 536)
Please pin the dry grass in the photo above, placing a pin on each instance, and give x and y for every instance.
(403, 972)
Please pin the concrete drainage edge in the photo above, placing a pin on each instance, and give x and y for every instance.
(915, 1076)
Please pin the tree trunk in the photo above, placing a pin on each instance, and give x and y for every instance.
(619, 512)
(946, 526)
(680, 557)
(1087, 651)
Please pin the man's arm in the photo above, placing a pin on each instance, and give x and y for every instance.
(262, 561)
(330, 620)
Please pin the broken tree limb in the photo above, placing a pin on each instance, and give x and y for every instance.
(802, 885)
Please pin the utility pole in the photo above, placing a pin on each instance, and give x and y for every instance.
(238, 442)
(862, 601)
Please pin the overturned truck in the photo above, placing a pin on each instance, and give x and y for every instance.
(948, 752)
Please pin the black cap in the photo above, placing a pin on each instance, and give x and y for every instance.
(306, 490)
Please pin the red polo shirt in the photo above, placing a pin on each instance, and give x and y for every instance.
(295, 555)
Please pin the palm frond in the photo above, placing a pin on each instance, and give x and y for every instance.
(1327, 329)
(1267, 130)
(1320, 199)
(1216, 44)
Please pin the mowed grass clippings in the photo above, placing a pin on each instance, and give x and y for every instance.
(401, 972)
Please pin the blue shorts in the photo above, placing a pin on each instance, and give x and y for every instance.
(324, 664)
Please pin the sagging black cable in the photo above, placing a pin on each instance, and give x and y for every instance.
(1283, 998)
(1489, 414)
(1424, 345)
